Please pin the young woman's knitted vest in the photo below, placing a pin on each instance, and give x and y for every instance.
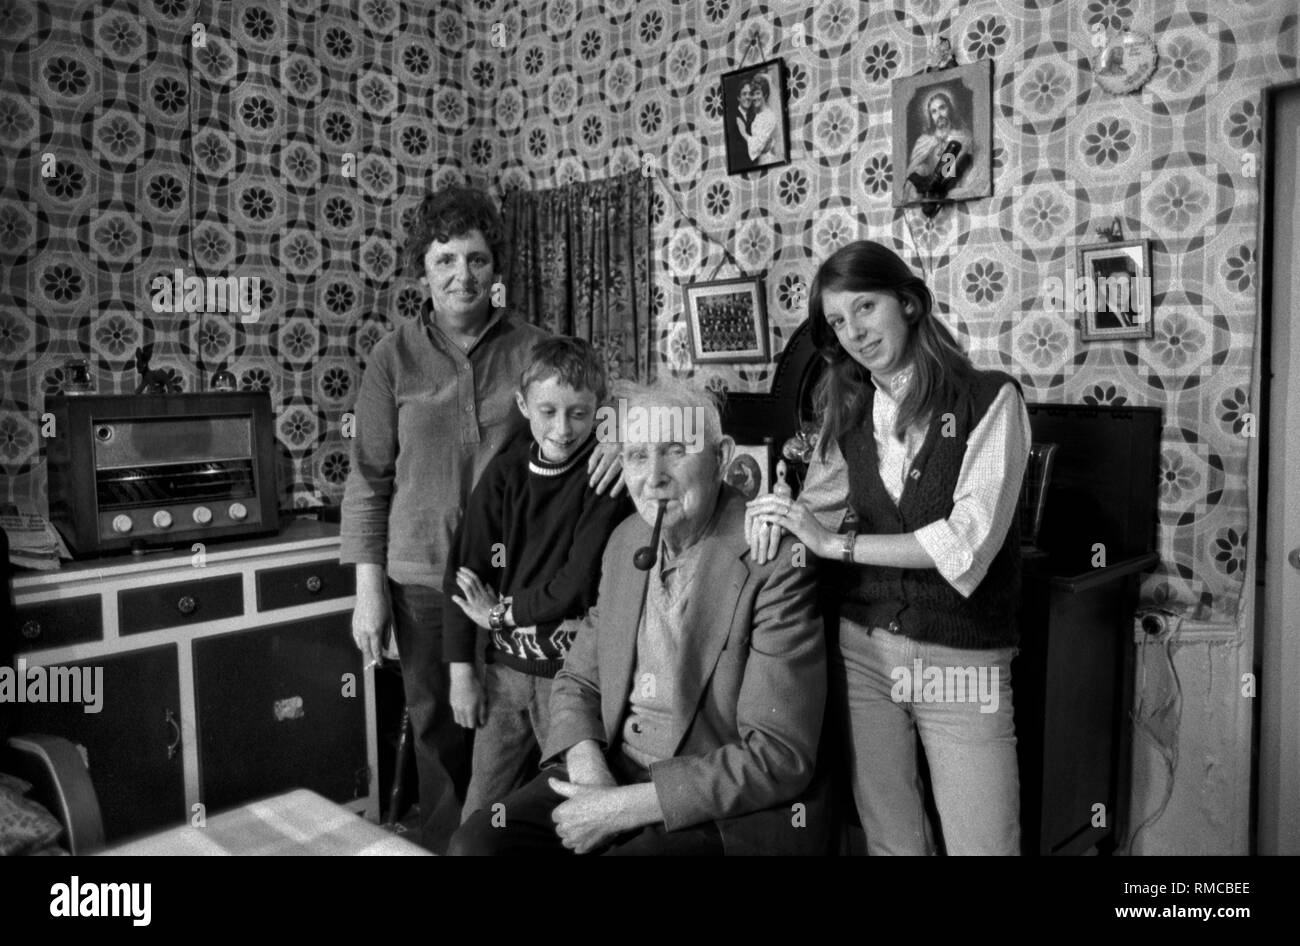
(918, 602)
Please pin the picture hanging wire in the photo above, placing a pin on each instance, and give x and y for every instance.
(926, 267)
(940, 56)
(728, 257)
(753, 42)
(1112, 234)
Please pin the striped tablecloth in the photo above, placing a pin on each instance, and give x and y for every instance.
(297, 822)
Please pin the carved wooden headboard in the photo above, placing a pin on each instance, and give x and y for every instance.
(753, 418)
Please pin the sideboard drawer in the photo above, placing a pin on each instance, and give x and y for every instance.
(180, 603)
(293, 585)
(58, 623)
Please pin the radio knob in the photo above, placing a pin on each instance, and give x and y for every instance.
(202, 515)
(122, 523)
(162, 519)
(238, 511)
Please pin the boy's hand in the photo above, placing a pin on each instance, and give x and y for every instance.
(468, 698)
(606, 468)
(479, 598)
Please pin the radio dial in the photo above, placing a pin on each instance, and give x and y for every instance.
(202, 515)
(162, 519)
(238, 512)
(122, 523)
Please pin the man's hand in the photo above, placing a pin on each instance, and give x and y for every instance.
(606, 468)
(591, 816)
(468, 697)
(479, 599)
(587, 766)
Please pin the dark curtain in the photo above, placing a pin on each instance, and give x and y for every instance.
(580, 265)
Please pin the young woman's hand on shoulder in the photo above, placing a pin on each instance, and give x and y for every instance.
(766, 517)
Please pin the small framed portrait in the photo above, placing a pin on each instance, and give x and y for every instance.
(756, 125)
(727, 321)
(943, 139)
(1112, 291)
(1125, 62)
(750, 469)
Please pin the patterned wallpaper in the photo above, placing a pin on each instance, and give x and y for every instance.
(540, 93)
(287, 146)
(585, 89)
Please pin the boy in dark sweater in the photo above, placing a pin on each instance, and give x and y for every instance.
(534, 531)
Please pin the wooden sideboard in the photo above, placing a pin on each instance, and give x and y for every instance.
(229, 674)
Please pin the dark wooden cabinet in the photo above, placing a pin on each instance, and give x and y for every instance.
(1073, 686)
(224, 676)
(192, 601)
(281, 707)
(132, 744)
(302, 584)
(57, 623)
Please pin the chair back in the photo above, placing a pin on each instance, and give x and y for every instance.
(1033, 495)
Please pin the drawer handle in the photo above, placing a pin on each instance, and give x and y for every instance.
(313, 584)
(175, 744)
(186, 605)
(31, 629)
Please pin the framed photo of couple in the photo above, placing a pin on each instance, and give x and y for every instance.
(943, 138)
(756, 124)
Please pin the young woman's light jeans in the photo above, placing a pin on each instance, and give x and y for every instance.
(960, 703)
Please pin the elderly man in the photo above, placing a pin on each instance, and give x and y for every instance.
(687, 715)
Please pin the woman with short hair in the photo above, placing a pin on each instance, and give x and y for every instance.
(437, 402)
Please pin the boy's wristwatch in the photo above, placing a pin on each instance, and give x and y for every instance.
(497, 616)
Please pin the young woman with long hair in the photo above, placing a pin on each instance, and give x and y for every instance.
(927, 454)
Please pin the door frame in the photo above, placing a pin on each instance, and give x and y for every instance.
(1275, 775)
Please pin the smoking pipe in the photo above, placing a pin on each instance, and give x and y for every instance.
(645, 557)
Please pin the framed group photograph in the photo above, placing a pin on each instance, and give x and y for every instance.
(727, 321)
(1117, 291)
(943, 137)
(756, 124)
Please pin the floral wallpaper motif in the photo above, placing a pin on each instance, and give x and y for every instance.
(229, 158)
(585, 90)
(224, 158)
